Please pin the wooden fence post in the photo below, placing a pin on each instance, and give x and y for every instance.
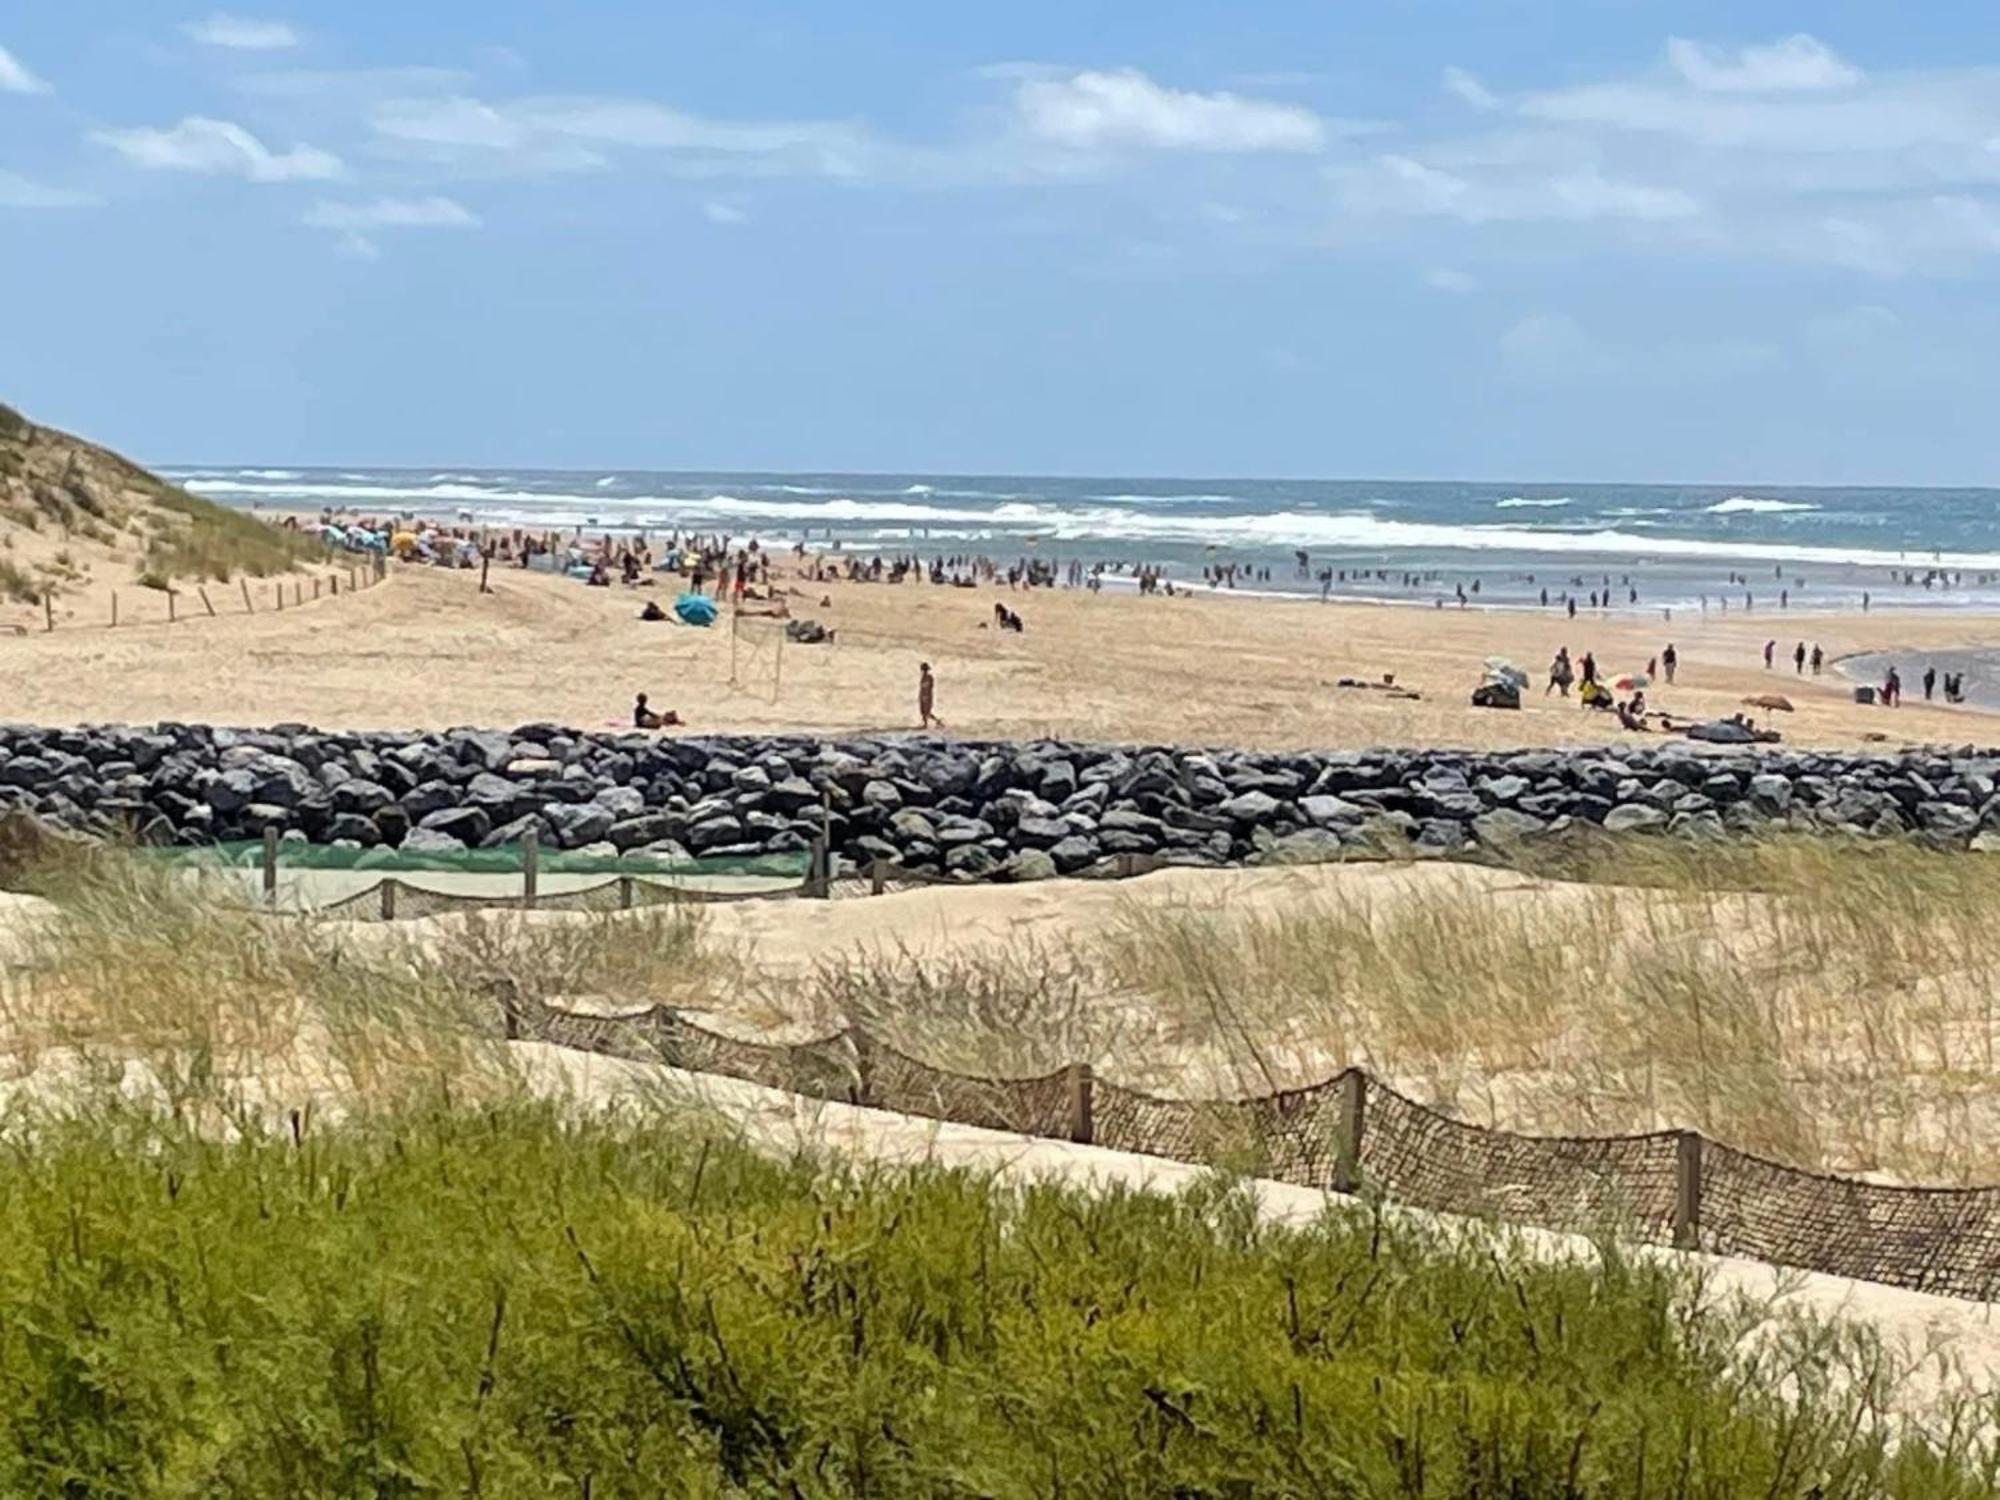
(315, 588)
(1687, 1190)
(625, 892)
(1082, 1085)
(878, 876)
(485, 562)
(49, 607)
(270, 862)
(114, 609)
(206, 602)
(170, 607)
(248, 607)
(531, 858)
(816, 857)
(298, 591)
(389, 899)
(278, 594)
(1353, 1120)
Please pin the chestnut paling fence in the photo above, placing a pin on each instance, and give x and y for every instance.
(1354, 1133)
(1351, 1133)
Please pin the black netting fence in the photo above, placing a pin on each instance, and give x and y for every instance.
(1355, 1134)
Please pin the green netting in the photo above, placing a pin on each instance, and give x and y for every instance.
(249, 854)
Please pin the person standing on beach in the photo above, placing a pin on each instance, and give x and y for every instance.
(1818, 657)
(927, 697)
(1670, 659)
(1892, 688)
(1560, 673)
(1930, 682)
(1799, 659)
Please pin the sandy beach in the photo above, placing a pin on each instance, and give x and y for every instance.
(426, 649)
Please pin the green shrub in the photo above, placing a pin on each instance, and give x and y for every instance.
(519, 1302)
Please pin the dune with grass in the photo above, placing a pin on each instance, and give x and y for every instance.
(79, 523)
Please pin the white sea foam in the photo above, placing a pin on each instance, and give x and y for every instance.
(1084, 525)
(918, 489)
(435, 478)
(608, 482)
(1519, 502)
(1752, 505)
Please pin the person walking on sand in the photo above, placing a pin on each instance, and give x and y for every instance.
(1670, 659)
(1589, 668)
(1561, 675)
(1818, 658)
(1892, 688)
(1770, 650)
(927, 697)
(1799, 659)
(1930, 682)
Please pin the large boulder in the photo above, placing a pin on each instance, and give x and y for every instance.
(1634, 817)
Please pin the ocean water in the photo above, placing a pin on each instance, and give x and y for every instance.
(1411, 542)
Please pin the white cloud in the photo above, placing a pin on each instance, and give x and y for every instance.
(392, 213)
(242, 33)
(354, 221)
(15, 77)
(1498, 193)
(572, 133)
(1798, 63)
(1464, 86)
(17, 191)
(718, 212)
(218, 148)
(1125, 108)
(1445, 279)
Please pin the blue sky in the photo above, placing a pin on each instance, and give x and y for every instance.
(1595, 240)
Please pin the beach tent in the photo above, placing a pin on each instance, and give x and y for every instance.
(695, 609)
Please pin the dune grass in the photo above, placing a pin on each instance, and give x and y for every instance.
(1825, 1002)
(513, 1301)
(198, 539)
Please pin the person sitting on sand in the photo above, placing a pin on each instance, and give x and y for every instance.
(652, 611)
(645, 718)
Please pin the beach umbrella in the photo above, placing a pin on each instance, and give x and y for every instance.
(695, 609)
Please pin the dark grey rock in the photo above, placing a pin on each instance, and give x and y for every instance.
(467, 825)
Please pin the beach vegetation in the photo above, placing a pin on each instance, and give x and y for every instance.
(282, 1212)
(513, 1298)
(17, 585)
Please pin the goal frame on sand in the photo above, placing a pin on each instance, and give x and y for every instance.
(751, 649)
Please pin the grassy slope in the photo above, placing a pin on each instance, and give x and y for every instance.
(57, 487)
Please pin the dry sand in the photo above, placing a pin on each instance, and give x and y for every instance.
(426, 650)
